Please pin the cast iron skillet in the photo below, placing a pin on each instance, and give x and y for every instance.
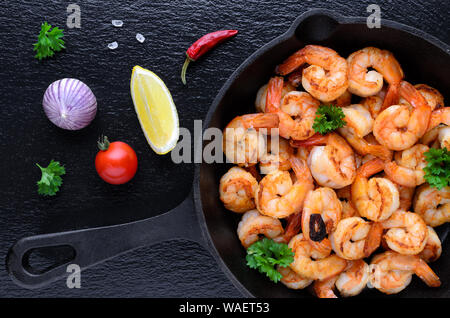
(424, 60)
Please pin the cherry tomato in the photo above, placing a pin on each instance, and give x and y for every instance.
(116, 162)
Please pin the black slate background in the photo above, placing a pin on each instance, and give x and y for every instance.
(170, 269)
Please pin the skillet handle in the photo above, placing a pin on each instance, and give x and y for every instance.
(315, 25)
(95, 245)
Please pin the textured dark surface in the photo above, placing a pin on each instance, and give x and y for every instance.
(176, 268)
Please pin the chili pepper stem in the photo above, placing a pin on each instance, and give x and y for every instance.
(184, 69)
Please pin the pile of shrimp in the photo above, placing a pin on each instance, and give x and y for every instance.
(353, 205)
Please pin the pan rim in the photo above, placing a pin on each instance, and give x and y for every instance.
(341, 19)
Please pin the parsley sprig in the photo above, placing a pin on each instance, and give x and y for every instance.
(266, 254)
(49, 41)
(437, 171)
(51, 178)
(328, 118)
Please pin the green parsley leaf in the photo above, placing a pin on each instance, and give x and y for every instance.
(49, 41)
(51, 178)
(266, 254)
(437, 171)
(328, 118)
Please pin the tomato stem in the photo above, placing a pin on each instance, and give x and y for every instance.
(103, 143)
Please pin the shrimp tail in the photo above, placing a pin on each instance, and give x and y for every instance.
(392, 169)
(274, 94)
(370, 168)
(314, 140)
(380, 151)
(420, 118)
(294, 224)
(261, 121)
(291, 63)
(426, 273)
(301, 169)
(392, 96)
(363, 147)
(412, 95)
(325, 288)
(373, 239)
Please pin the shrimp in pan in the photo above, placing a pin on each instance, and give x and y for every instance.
(322, 210)
(388, 281)
(354, 278)
(293, 280)
(237, 190)
(406, 232)
(355, 238)
(406, 194)
(261, 96)
(302, 107)
(337, 186)
(331, 160)
(397, 127)
(254, 224)
(325, 78)
(358, 119)
(243, 144)
(407, 168)
(433, 97)
(367, 83)
(349, 283)
(391, 272)
(432, 204)
(277, 156)
(278, 196)
(376, 198)
(296, 110)
(311, 262)
(363, 146)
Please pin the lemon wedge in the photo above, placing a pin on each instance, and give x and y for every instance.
(155, 109)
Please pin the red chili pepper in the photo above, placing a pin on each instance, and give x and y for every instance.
(203, 45)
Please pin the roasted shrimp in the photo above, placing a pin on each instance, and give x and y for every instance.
(326, 78)
(243, 144)
(391, 272)
(314, 261)
(397, 127)
(331, 160)
(237, 190)
(296, 110)
(376, 198)
(253, 224)
(277, 196)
